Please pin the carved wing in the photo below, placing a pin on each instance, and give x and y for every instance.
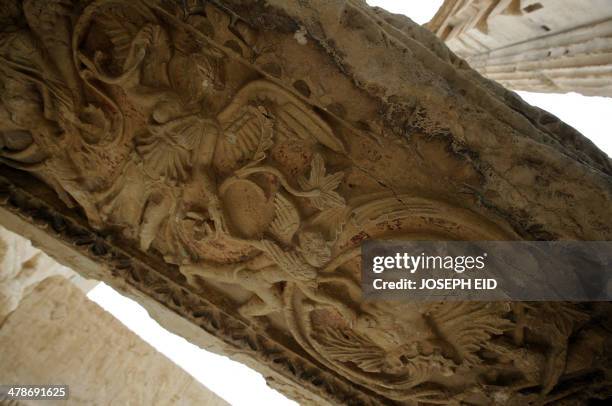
(121, 22)
(346, 346)
(468, 325)
(286, 221)
(167, 148)
(261, 114)
(183, 132)
(288, 261)
(120, 29)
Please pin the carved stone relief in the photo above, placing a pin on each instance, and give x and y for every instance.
(253, 150)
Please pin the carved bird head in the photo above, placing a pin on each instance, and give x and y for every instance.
(314, 248)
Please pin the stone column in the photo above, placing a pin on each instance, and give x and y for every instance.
(58, 336)
(51, 333)
(22, 267)
(550, 46)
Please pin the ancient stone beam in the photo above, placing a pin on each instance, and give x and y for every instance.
(222, 162)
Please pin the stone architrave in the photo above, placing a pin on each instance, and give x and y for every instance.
(223, 161)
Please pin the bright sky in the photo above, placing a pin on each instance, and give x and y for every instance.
(419, 11)
(234, 382)
(592, 116)
(238, 384)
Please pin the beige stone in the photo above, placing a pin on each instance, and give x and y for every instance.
(551, 46)
(57, 336)
(22, 266)
(223, 162)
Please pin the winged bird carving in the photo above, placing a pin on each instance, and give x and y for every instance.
(261, 114)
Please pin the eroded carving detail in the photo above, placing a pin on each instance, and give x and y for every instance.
(148, 116)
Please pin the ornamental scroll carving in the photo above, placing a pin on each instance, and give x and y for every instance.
(151, 118)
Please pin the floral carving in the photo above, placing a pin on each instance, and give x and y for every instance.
(158, 120)
(327, 184)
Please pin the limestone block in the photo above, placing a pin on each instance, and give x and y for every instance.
(22, 266)
(58, 336)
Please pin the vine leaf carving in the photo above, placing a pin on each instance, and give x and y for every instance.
(326, 184)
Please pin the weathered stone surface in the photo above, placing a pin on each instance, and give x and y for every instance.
(22, 266)
(553, 46)
(226, 160)
(57, 336)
